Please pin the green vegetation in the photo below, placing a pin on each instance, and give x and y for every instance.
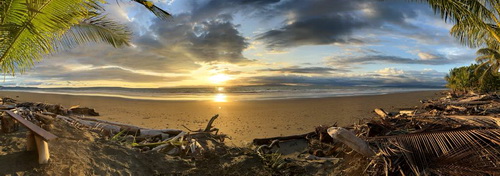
(465, 79)
(31, 29)
(476, 24)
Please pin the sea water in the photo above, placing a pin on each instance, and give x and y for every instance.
(221, 93)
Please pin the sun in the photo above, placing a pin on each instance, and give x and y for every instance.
(219, 78)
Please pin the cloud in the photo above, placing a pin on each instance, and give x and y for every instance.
(322, 22)
(304, 70)
(62, 73)
(390, 71)
(386, 77)
(372, 59)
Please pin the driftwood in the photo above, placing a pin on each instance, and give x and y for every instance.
(262, 141)
(350, 139)
(83, 111)
(407, 112)
(483, 121)
(381, 113)
(468, 103)
(115, 127)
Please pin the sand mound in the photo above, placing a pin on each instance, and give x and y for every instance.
(82, 152)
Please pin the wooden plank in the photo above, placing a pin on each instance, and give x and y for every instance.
(36, 129)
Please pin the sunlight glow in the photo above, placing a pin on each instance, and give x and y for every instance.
(220, 97)
(220, 89)
(219, 78)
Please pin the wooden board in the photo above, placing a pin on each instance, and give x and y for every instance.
(36, 129)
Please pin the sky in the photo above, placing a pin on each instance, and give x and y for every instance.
(263, 42)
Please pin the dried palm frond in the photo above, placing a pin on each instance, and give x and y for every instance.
(470, 152)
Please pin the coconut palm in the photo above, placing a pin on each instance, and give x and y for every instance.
(32, 29)
(475, 21)
(476, 24)
(489, 62)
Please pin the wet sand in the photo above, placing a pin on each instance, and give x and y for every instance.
(242, 120)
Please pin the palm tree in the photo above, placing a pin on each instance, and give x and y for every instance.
(476, 25)
(476, 21)
(32, 29)
(489, 62)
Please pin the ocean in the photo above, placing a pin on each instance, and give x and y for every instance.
(221, 94)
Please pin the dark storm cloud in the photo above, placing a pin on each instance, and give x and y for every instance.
(306, 70)
(321, 22)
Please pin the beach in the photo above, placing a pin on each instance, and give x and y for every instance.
(241, 120)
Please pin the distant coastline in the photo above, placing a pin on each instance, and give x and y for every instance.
(223, 94)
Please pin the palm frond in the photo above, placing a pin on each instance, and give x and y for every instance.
(160, 13)
(39, 29)
(95, 29)
(434, 152)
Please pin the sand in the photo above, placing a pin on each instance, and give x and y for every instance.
(244, 120)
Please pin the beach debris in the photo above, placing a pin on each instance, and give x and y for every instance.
(381, 113)
(350, 139)
(77, 110)
(454, 135)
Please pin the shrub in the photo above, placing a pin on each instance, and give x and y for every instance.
(463, 79)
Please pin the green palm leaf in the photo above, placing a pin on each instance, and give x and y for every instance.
(32, 29)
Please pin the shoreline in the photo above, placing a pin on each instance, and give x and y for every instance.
(241, 120)
(127, 97)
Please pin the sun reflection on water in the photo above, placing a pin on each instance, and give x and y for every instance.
(220, 97)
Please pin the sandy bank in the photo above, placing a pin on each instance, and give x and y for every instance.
(244, 120)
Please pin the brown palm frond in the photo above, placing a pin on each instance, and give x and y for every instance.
(439, 152)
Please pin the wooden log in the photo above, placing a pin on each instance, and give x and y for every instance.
(43, 150)
(116, 127)
(468, 103)
(381, 113)
(30, 141)
(451, 107)
(350, 139)
(44, 118)
(474, 98)
(407, 112)
(262, 141)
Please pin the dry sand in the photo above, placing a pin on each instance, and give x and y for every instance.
(243, 120)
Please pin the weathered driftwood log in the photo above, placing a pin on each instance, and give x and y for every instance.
(350, 139)
(452, 107)
(381, 113)
(475, 98)
(115, 127)
(43, 150)
(262, 141)
(468, 103)
(407, 112)
(481, 121)
(44, 118)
